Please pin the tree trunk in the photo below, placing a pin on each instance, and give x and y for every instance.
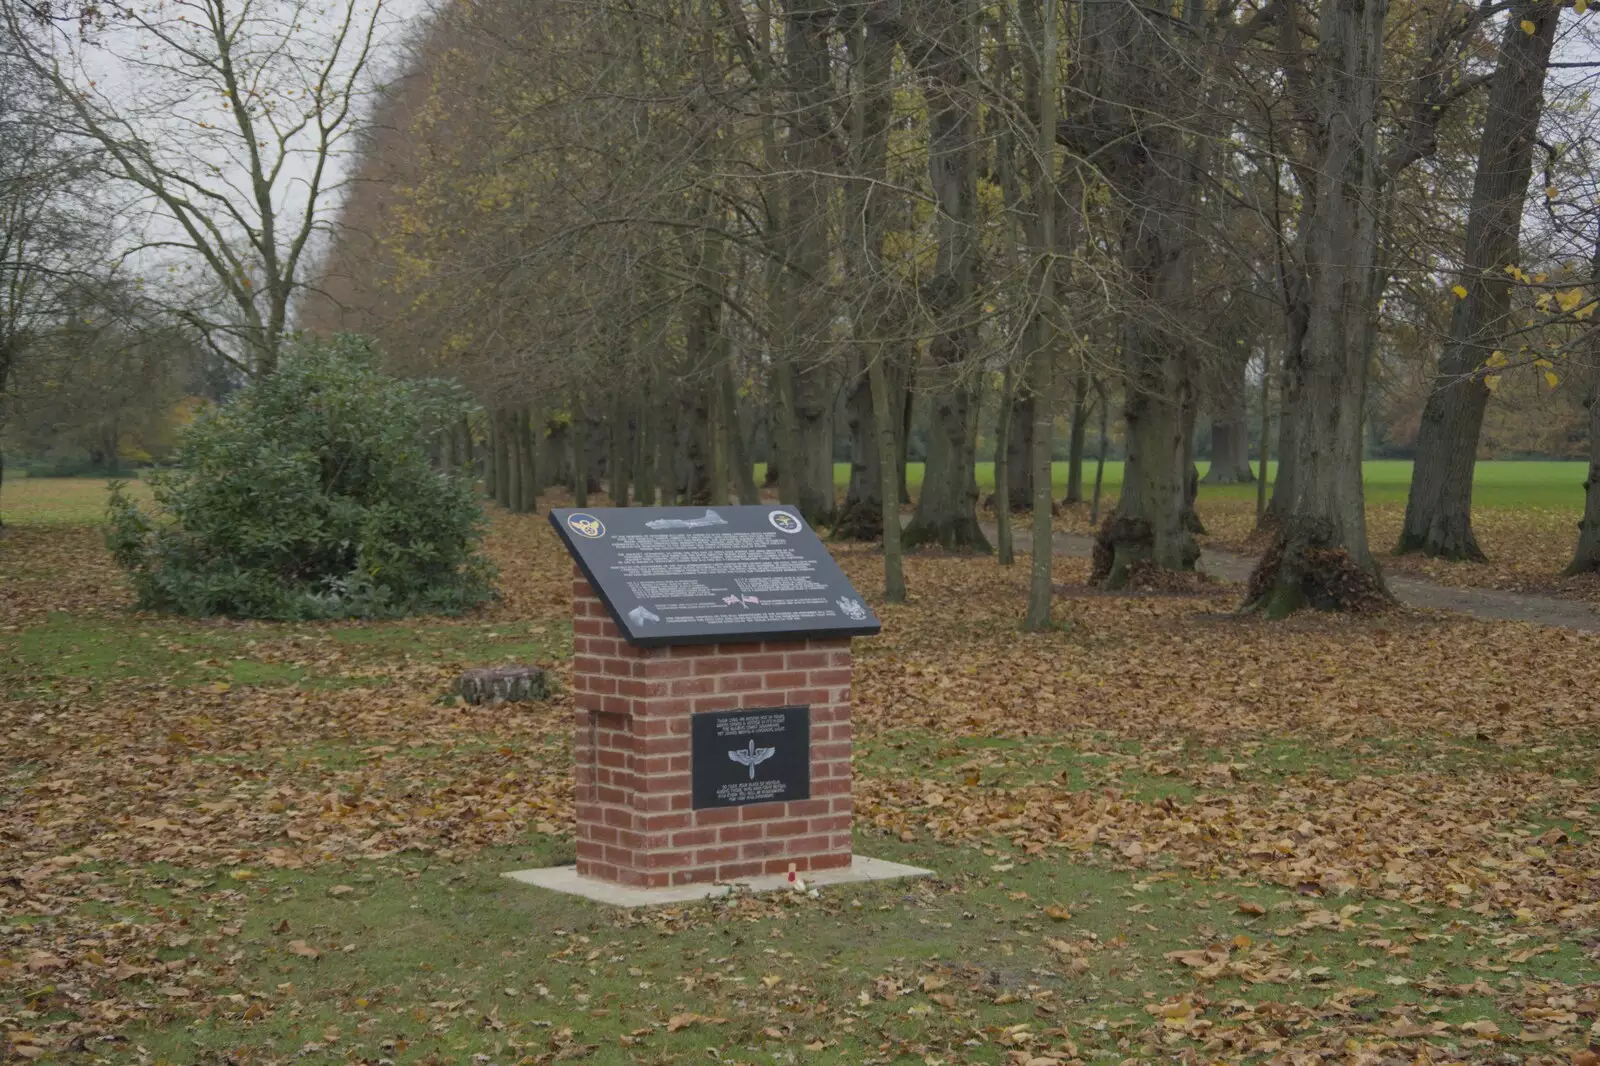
(744, 471)
(861, 518)
(1230, 426)
(868, 512)
(1438, 519)
(1266, 434)
(538, 474)
(1320, 555)
(669, 453)
(905, 402)
(719, 445)
(694, 481)
(1042, 69)
(894, 581)
(1191, 472)
(807, 24)
(644, 443)
(515, 458)
(1586, 558)
(1296, 316)
(1041, 580)
(552, 447)
(580, 455)
(786, 441)
(1002, 470)
(511, 474)
(1080, 431)
(969, 446)
(1104, 404)
(1148, 526)
(621, 439)
(1230, 453)
(505, 457)
(527, 463)
(725, 433)
(696, 430)
(947, 512)
(1148, 72)
(491, 452)
(1019, 448)
(517, 429)
(813, 415)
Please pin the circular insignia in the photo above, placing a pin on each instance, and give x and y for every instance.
(784, 522)
(586, 525)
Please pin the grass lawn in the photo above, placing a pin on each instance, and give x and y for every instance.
(1158, 833)
(1496, 484)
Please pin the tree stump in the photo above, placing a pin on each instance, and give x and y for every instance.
(503, 684)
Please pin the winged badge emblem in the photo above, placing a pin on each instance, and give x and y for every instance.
(751, 757)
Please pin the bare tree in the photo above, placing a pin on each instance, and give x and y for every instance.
(225, 119)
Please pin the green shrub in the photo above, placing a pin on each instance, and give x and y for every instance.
(309, 495)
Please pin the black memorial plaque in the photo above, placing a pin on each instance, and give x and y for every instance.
(701, 575)
(755, 755)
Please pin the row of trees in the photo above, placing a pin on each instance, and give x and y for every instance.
(654, 218)
(651, 226)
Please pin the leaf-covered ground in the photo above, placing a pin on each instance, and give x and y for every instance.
(1160, 833)
(1527, 546)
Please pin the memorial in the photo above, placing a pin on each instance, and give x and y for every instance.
(708, 575)
(711, 684)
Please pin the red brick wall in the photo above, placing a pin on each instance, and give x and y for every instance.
(636, 824)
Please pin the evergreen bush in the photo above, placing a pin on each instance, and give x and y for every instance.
(309, 495)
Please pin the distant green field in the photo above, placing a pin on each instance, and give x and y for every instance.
(1508, 484)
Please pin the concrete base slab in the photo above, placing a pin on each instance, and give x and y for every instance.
(565, 879)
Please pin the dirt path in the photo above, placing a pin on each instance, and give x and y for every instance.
(1487, 604)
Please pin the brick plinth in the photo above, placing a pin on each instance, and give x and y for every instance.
(631, 749)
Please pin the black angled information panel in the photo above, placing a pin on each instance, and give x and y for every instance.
(700, 575)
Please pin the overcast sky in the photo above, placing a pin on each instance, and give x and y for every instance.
(127, 71)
